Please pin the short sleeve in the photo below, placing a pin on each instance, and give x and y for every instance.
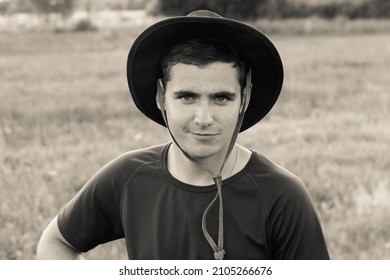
(92, 217)
(294, 225)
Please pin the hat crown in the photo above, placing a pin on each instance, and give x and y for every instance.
(204, 13)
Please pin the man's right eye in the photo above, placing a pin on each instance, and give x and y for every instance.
(185, 96)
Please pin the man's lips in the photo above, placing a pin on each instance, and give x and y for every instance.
(205, 133)
(204, 136)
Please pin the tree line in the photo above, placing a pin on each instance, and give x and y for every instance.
(239, 9)
(249, 9)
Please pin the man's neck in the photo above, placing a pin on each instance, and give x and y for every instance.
(201, 171)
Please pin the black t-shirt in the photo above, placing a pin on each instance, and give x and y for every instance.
(268, 213)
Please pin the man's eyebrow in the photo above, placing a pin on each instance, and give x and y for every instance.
(226, 94)
(185, 92)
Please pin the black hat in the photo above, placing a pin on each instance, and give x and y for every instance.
(257, 51)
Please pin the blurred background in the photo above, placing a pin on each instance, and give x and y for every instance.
(65, 109)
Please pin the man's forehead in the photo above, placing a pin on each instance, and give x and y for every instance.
(216, 76)
(210, 70)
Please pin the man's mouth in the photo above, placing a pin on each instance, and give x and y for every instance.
(205, 135)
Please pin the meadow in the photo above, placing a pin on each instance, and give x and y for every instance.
(65, 111)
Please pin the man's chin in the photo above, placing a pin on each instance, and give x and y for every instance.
(202, 153)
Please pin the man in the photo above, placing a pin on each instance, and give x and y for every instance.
(205, 78)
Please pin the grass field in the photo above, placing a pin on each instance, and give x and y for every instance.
(65, 111)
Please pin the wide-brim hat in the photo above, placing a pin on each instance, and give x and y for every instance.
(256, 50)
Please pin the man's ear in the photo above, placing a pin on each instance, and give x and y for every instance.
(246, 97)
(160, 96)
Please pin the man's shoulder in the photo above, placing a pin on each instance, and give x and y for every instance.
(272, 177)
(130, 162)
(277, 186)
(140, 157)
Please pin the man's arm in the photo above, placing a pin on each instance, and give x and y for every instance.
(53, 245)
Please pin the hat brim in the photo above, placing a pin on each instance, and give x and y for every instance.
(257, 51)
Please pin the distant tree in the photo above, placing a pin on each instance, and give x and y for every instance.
(231, 8)
(375, 8)
(63, 7)
(4, 6)
(247, 9)
(272, 8)
(136, 4)
(20, 6)
(239, 9)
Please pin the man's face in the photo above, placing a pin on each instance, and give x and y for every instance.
(202, 106)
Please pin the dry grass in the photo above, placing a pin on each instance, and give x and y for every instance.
(65, 111)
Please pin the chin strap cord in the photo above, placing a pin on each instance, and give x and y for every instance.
(219, 252)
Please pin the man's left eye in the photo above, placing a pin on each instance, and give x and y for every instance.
(220, 99)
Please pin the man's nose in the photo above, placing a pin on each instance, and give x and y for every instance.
(203, 115)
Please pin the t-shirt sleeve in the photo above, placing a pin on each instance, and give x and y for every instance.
(92, 217)
(294, 227)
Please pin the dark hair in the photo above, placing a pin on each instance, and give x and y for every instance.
(201, 52)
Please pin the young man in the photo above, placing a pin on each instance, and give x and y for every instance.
(205, 78)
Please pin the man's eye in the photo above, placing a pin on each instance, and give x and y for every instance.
(220, 99)
(187, 98)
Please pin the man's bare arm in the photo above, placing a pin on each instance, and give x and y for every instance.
(53, 245)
